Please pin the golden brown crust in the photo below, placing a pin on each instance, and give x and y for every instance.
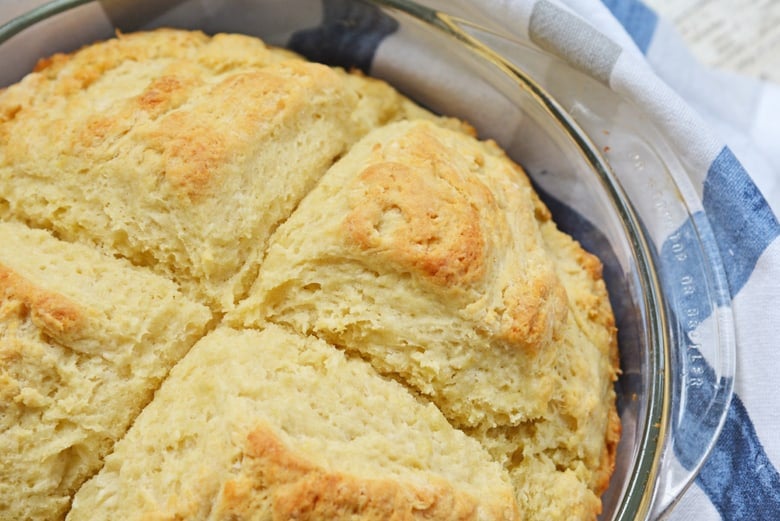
(411, 205)
(603, 473)
(194, 146)
(140, 145)
(535, 313)
(417, 205)
(102, 56)
(300, 490)
(435, 235)
(54, 313)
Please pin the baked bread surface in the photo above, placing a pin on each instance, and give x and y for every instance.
(254, 422)
(179, 151)
(82, 351)
(427, 253)
(391, 324)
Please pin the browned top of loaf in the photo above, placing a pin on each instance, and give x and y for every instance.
(179, 151)
(421, 207)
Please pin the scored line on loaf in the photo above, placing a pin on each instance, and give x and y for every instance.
(271, 424)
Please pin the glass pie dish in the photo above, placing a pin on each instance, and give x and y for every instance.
(608, 175)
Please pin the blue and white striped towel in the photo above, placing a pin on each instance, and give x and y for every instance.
(734, 118)
(724, 130)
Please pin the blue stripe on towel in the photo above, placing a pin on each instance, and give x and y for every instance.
(738, 476)
(638, 20)
(742, 221)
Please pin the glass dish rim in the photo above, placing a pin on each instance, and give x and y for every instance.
(639, 491)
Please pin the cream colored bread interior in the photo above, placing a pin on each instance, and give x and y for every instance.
(82, 349)
(273, 425)
(390, 322)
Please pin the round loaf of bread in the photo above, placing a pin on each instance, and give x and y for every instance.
(239, 285)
